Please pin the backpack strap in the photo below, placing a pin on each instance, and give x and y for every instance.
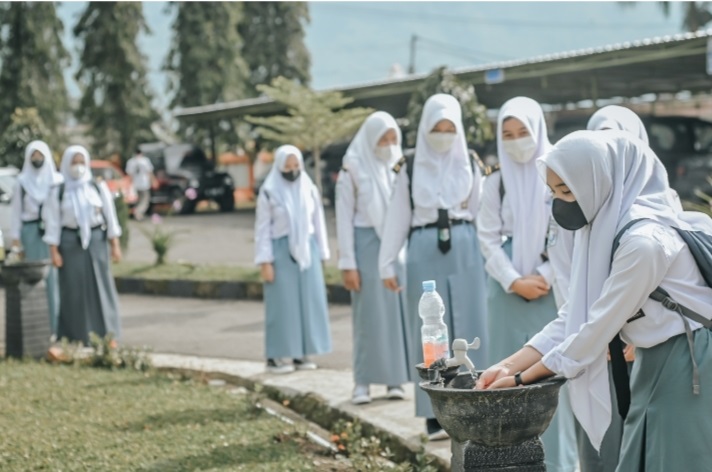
(489, 170)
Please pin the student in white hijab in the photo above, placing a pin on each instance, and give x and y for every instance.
(620, 118)
(363, 192)
(515, 209)
(601, 182)
(81, 217)
(32, 190)
(290, 244)
(435, 210)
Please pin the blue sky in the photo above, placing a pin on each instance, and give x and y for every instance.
(355, 42)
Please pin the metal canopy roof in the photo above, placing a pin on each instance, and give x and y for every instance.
(667, 64)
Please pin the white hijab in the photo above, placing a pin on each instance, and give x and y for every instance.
(38, 182)
(441, 180)
(296, 197)
(615, 178)
(526, 192)
(620, 118)
(368, 170)
(80, 192)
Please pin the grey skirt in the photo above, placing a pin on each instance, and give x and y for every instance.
(379, 330)
(460, 279)
(37, 250)
(668, 428)
(88, 298)
(296, 312)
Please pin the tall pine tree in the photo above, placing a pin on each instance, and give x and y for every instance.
(32, 59)
(116, 100)
(273, 34)
(204, 63)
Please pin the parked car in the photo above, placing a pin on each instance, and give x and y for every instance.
(683, 144)
(186, 177)
(8, 178)
(118, 182)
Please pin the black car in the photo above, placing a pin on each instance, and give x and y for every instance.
(186, 177)
(683, 144)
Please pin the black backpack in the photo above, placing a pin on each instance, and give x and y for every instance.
(408, 162)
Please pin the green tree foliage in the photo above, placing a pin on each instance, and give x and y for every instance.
(478, 129)
(204, 63)
(273, 34)
(313, 121)
(32, 58)
(25, 126)
(116, 100)
(695, 15)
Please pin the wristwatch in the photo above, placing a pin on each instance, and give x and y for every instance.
(518, 379)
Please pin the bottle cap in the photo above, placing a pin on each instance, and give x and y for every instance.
(429, 286)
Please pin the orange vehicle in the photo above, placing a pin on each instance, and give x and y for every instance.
(116, 179)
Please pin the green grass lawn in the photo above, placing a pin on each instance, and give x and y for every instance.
(72, 418)
(175, 271)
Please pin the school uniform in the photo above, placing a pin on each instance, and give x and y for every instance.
(290, 234)
(26, 225)
(514, 224)
(363, 190)
(662, 431)
(446, 183)
(80, 220)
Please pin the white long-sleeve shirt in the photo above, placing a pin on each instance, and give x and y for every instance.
(23, 208)
(649, 255)
(494, 223)
(400, 218)
(560, 251)
(57, 218)
(272, 222)
(351, 212)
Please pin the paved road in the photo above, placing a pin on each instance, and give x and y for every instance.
(211, 238)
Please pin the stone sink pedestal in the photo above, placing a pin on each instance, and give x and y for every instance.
(492, 430)
(27, 325)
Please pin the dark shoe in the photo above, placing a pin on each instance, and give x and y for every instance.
(304, 364)
(435, 431)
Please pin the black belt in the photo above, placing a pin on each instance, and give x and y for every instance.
(102, 227)
(31, 221)
(435, 225)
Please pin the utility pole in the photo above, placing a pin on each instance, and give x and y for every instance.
(411, 63)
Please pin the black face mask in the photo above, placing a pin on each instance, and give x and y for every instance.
(568, 214)
(292, 175)
(37, 164)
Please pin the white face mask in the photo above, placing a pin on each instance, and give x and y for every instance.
(77, 171)
(387, 153)
(520, 150)
(440, 142)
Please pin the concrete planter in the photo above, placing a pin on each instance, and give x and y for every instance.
(220, 290)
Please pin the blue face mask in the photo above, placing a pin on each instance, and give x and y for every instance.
(568, 215)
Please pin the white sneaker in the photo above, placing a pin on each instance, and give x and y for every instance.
(395, 393)
(304, 364)
(361, 395)
(276, 366)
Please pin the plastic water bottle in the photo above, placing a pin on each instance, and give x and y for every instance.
(434, 331)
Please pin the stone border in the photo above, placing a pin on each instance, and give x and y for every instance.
(220, 290)
(315, 408)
